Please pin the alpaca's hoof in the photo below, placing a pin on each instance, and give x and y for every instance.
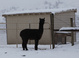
(36, 49)
(23, 49)
(26, 49)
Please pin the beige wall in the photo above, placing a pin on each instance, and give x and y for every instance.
(17, 23)
(63, 19)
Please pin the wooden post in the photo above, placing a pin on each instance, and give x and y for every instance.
(65, 39)
(72, 34)
(52, 29)
(16, 36)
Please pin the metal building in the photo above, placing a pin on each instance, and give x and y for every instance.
(54, 20)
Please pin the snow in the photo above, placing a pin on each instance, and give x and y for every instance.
(14, 5)
(64, 32)
(69, 28)
(40, 11)
(3, 38)
(61, 51)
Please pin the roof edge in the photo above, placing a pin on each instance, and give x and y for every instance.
(70, 10)
(39, 12)
(27, 14)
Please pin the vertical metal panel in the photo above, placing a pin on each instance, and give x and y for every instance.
(22, 26)
(63, 19)
(11, 26)
(23, 21)
(18, 23)
(46, 37)
(11, 36)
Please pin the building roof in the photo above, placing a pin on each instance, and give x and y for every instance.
(39, 11)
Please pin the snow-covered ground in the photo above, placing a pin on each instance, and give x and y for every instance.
(61, 51)
(3, 38)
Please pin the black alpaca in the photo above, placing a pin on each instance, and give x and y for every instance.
(32, 34)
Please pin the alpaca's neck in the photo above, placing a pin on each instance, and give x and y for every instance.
(41, 27)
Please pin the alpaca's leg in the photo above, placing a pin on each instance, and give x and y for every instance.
(26, 44)
(23, 45)
(36, 44)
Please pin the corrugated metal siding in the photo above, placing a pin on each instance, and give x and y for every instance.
(17, 23)
(63, 19)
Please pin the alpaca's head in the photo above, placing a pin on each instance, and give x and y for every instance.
(42, 20)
